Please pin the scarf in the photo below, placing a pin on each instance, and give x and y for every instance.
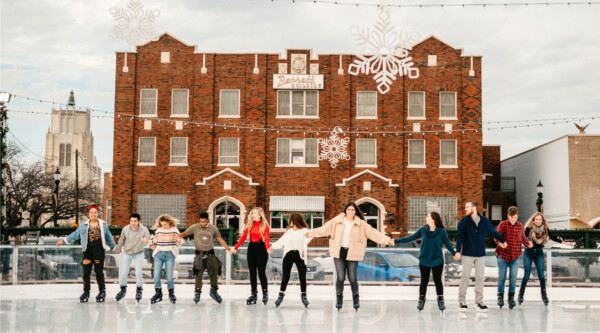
(538, 235)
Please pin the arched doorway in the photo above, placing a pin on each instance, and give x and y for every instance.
(227, 212)
(374, 214)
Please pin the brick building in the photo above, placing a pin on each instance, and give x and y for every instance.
(213, 131)
(499, 192)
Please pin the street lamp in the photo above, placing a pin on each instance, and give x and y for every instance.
(56, 181)
(540, 199)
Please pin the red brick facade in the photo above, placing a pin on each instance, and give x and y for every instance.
(258, 177)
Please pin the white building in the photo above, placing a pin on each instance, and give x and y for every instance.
(70, 132)
(569, 169)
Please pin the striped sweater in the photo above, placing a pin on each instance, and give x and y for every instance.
(166, 240)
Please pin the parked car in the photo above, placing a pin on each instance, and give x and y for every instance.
(490, 272)
(326, 262)
(388, 266)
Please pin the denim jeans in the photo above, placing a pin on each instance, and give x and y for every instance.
(341, 267)
(168, 259)
(126, 259)
(503, 266)
(529, 257)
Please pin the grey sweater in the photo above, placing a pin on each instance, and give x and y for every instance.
(131, 240)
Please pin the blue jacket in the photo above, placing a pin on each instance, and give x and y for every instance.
(470, 238)
(82, 233)
(431, 254)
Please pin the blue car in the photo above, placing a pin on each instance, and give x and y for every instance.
(388, 266)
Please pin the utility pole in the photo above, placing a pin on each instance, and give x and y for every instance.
(77, 186)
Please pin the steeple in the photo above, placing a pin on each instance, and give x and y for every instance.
(71, 99)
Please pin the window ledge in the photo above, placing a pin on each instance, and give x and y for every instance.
(220, 116)
(416, 166)
(297, 117)
(366, 118)
(229, 164)
(448, 166)
(146, 164)
(180, 116)
(416, 118)
(148, 115)
(296, 165)
(448, 118)
(178, 164)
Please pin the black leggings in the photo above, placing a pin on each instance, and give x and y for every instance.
(94, 253)
(437, 278)
(257, 258)
(341, 267)
(293, 257)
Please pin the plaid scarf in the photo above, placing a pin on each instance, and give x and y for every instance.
(538, 235)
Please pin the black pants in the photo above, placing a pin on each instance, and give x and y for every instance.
(437, 278)
(94, 253)
(293, 257)
(257, 258)
(341, 267)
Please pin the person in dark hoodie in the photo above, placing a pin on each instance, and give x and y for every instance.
(470, 246)
(431, 256)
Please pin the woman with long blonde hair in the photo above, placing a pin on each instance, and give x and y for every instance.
(257, 256)
(538, 232)
(165, 245)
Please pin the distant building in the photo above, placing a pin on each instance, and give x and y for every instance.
(70, 131)
(499, 191)
(107, 198)
(569, 169)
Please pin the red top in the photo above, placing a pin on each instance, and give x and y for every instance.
(254, 235)
(514, 236)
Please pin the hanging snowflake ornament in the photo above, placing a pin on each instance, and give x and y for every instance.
(333, 148)
(384, 52)
(134, 23)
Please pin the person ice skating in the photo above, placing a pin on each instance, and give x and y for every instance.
(509, 257)
(295, 251)
(257, 256)
(348, 234)
(204, 235)
(131, 244)
(431, 257)
(165, 245)
(95, 240)
(538, 232)
(470, 246)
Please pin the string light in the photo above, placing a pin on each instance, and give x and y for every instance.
(444, 5)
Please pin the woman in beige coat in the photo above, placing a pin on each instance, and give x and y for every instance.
(348, 233)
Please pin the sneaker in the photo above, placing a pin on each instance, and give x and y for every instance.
(462, 306)
(481, 307)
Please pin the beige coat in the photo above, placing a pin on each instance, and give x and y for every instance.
(359, 233)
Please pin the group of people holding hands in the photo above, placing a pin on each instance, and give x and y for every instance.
(347, 232)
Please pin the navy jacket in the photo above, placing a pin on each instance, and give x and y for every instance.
(470, 238)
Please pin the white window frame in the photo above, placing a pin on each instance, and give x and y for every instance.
(140, 151)
(366, 165)
(221, 103)
(455, 105)
(238, 153)
(376, 110)
(171, 163)
(449, 166)
(416, 166)
(408, 116)
(155, 103)
(187, 104)
(291, 164)
(304, 116)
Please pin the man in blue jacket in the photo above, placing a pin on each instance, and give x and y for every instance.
(470, 246)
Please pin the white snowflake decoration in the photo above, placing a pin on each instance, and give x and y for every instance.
(134, 23)
(334, 148)
(384, 52)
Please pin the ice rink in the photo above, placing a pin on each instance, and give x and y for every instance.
(55, 308)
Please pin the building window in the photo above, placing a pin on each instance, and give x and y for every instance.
(448, 153)
(229, 104)
(151, 206)
(179, 151)
(229, 151)
(448, 105)
(416, 153)
(179, 103)
(64, 155)
(148, 102)
(496, 213)
(108, 210)
(297, 103)
(66, 122)
(416, 105)
(297, 152)
(366, 152)
(279, 220)
(366, 105)
(147, 151)
(419, 207)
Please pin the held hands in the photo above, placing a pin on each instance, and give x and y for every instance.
(391, 242)
(117, 252)
(530, 244)
(145, 240)
(59, 243)
(270, 250)
(503, 245)
(568, 244)
(232, 251)
(457, 256)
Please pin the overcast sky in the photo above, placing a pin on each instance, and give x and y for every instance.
(538, 61)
